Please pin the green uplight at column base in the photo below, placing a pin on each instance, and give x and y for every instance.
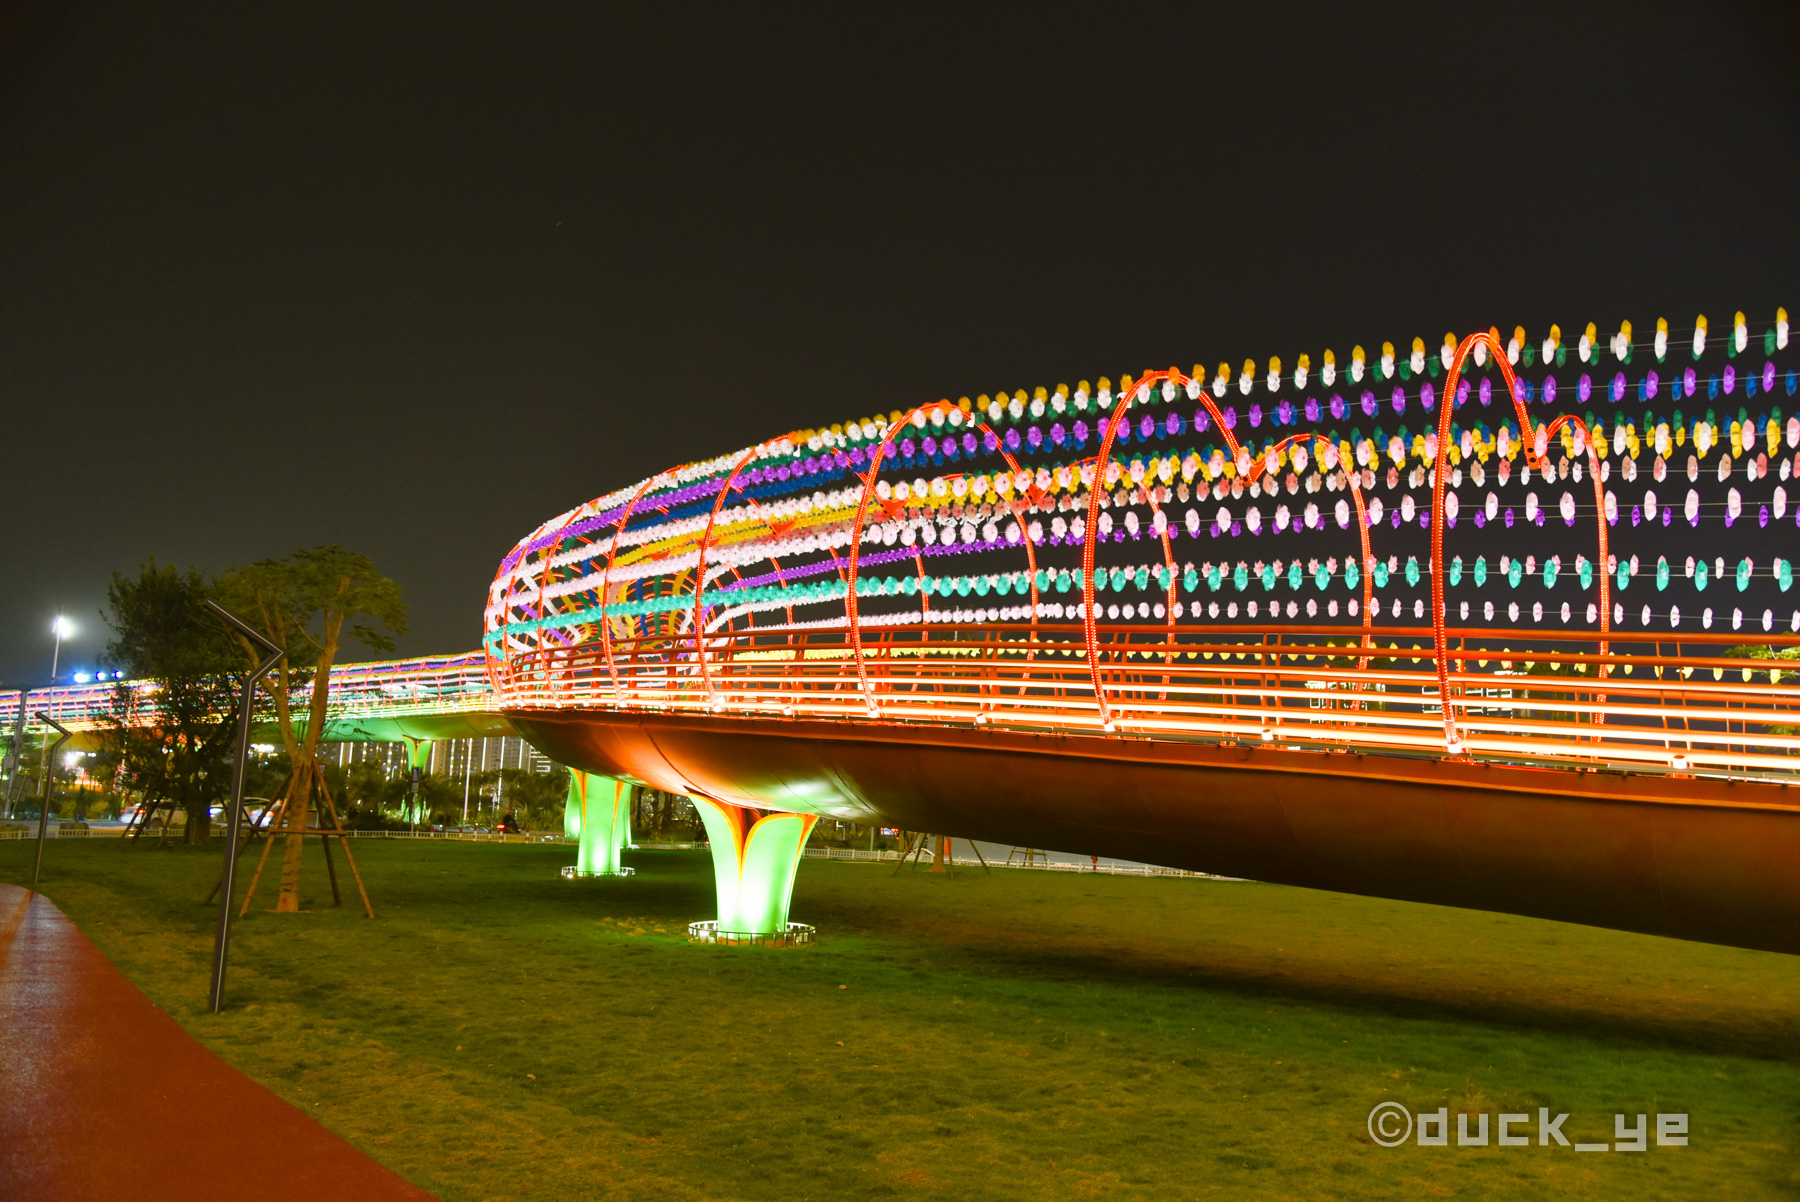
(755, 857)
(598, 813)
(572, 809)
(418, 760)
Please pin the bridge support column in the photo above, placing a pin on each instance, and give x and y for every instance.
(598, 813)
(418, 759)
(574, 805)
(755, 855)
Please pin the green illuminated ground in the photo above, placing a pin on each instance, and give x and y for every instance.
(1024, 1035)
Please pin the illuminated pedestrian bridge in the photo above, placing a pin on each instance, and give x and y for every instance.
(1499, 624)
(1506, 624)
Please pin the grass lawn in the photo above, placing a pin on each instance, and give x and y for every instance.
(499, 1032)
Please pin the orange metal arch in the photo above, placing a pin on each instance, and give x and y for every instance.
(1168, 559)
(856, 528)
(700, 570)
(543, 579)
(1452, 738)
(1091, 536)
(544, 576)
(606, 645)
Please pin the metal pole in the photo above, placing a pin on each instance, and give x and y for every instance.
(44, 792)
(55, 656)
(222, 941)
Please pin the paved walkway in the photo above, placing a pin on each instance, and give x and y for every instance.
(102, 1095)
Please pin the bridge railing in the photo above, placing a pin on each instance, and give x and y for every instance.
(1536, 697)
(426, 685)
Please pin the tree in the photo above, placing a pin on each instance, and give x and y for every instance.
(536, 799)
(1763, 651)
(303, 604)
(375, 794)
(168, 725)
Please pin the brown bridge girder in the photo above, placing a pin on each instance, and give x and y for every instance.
(1691, 858)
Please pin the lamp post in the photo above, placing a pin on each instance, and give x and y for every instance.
(37, 865)
(234, 818)
(62, 628)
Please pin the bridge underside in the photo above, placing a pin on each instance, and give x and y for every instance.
(1690, 858)
(426, 727)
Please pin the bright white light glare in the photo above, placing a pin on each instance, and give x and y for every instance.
(62, 628)
(81, 678)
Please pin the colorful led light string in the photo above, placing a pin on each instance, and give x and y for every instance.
(803, 503)
(388, 688)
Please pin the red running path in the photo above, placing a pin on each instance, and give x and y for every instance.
(92, 1074)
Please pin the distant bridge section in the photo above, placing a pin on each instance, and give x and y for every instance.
(427, 698)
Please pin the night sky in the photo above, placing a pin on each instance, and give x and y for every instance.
(415, 279)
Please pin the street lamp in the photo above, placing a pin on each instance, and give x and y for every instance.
(62, 628)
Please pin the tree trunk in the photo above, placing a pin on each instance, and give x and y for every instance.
(199, 823)
(300, 795)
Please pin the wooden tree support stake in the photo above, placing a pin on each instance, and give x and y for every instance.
(336, 831)
(337, 898)
(244, 841)
(268, 843)
(140, 822)
(344, 843)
